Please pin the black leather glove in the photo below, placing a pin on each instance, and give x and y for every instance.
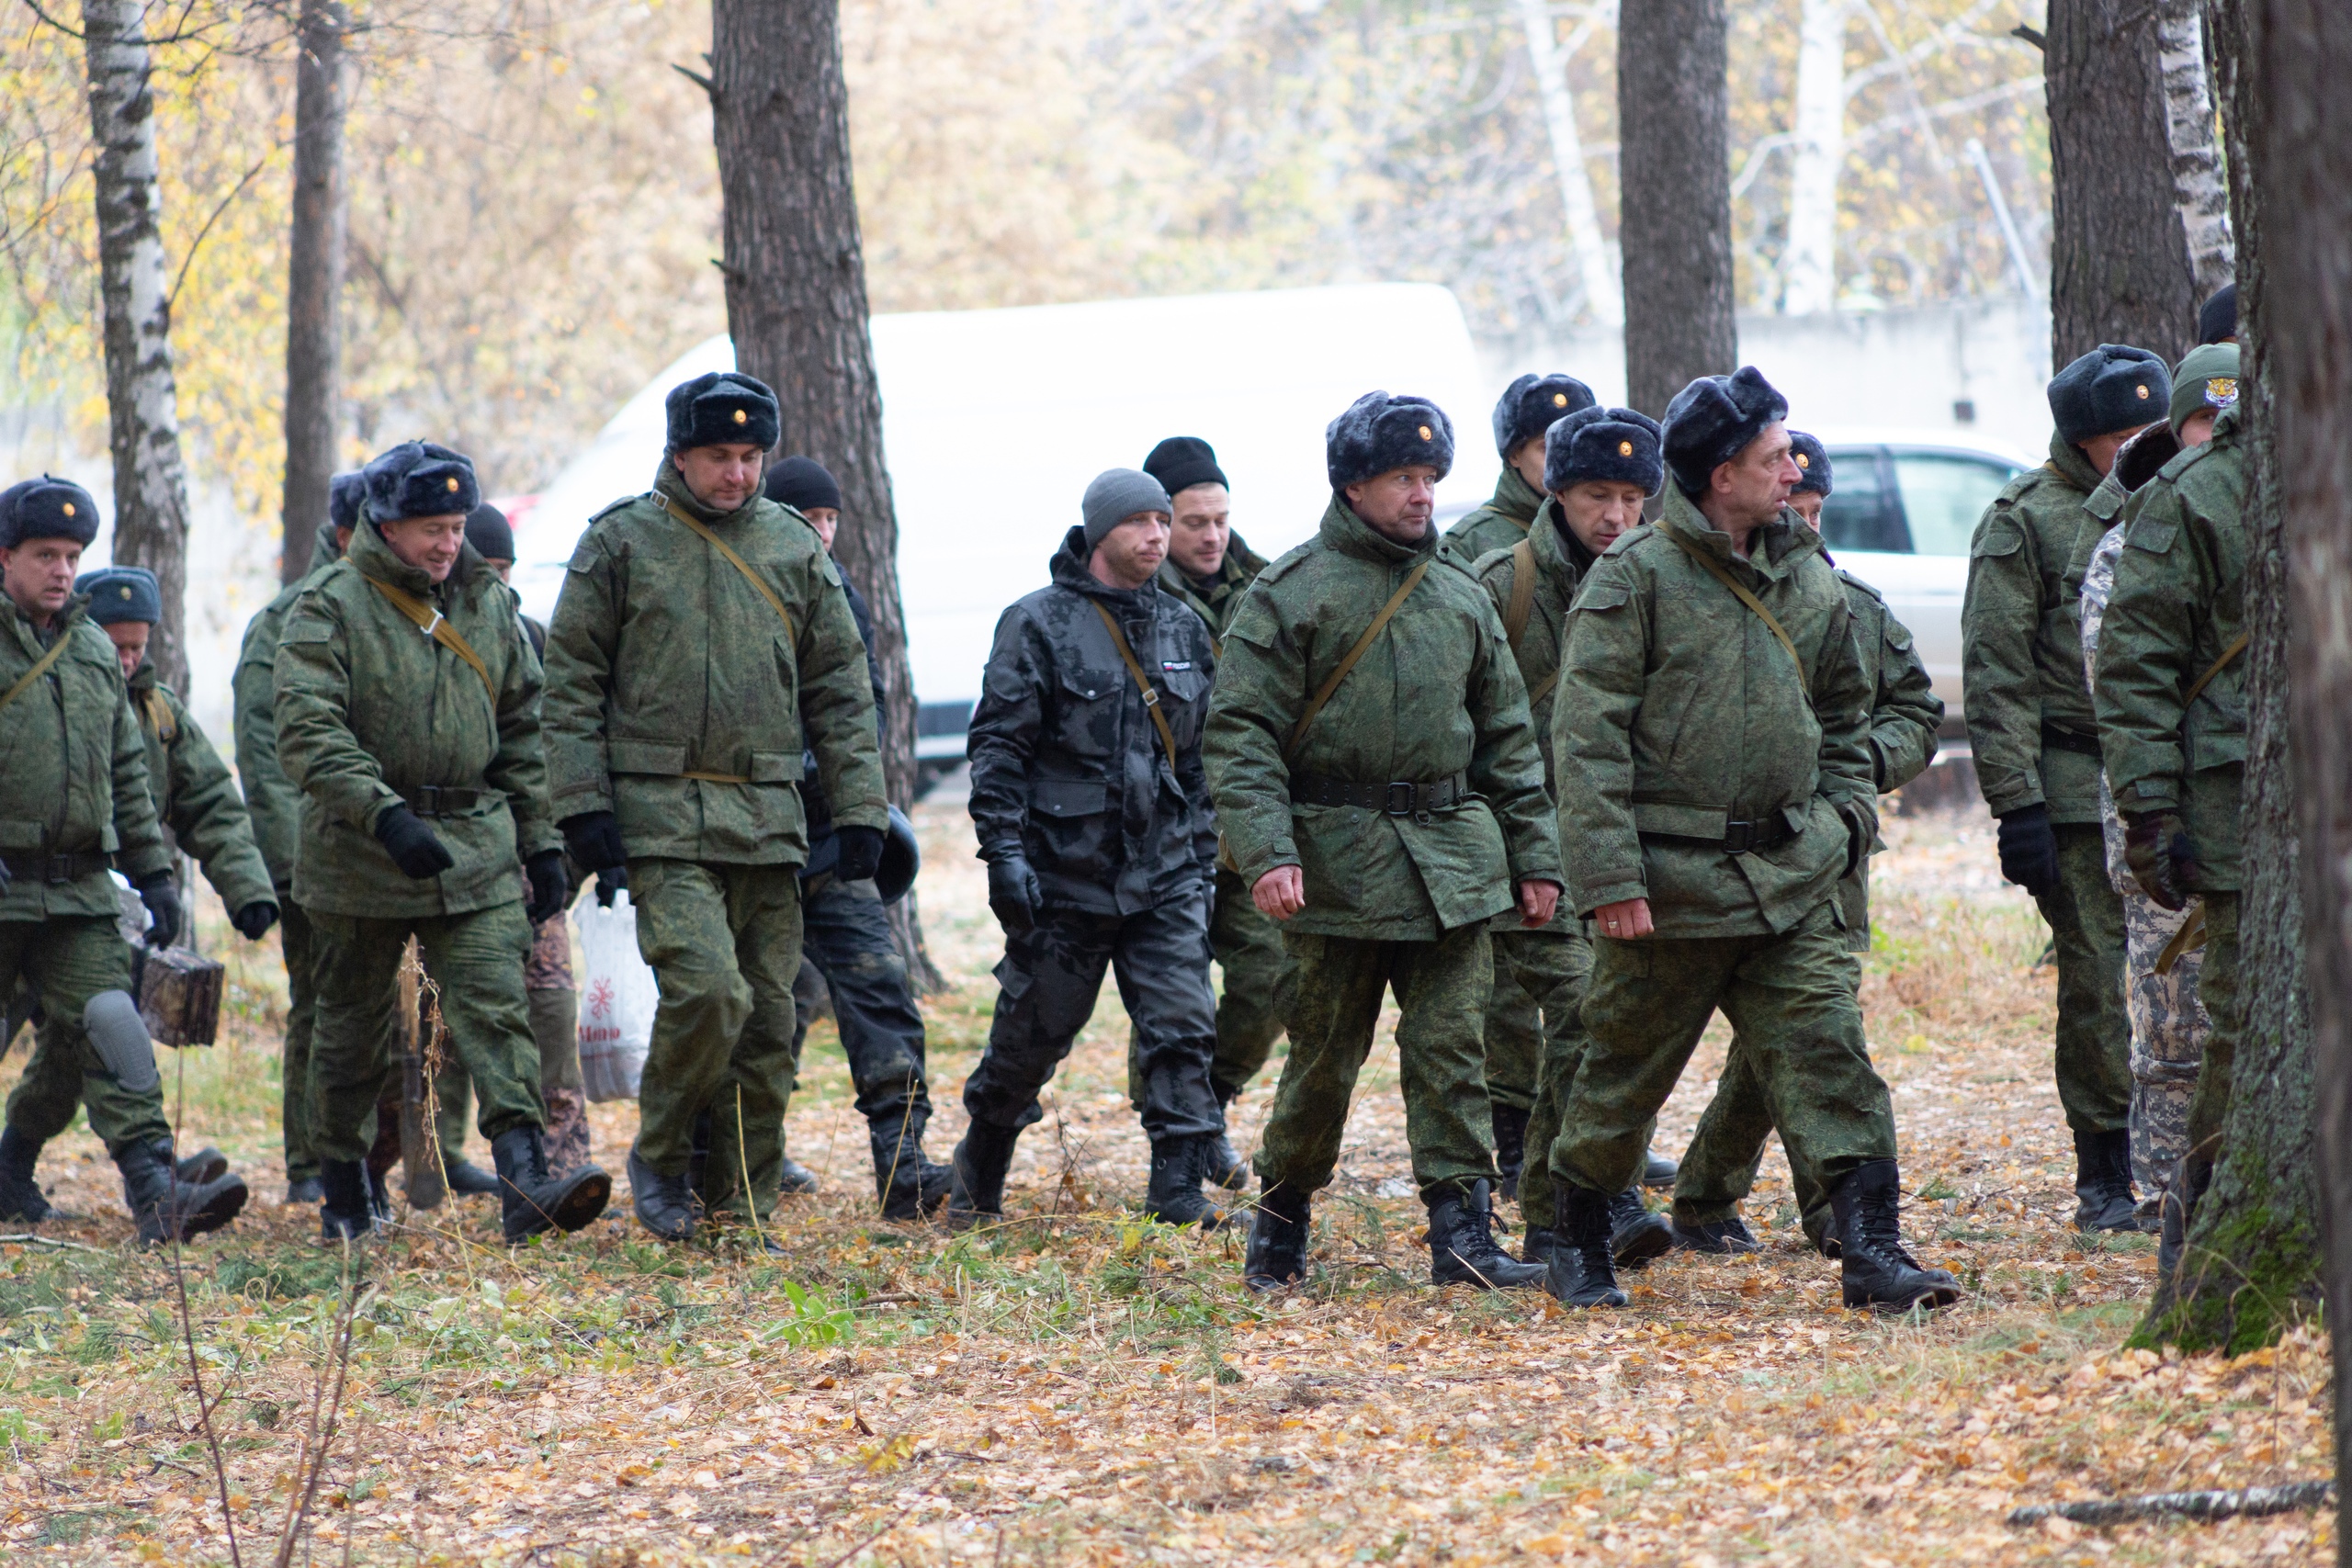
(860, 855)
(2163, 860)
(1862, 828)
(412, 844)
(253, 921)
(1015, 894)
(162, 896)
(596, 839)
(611, 880)
(550, 888)
(2030, 850)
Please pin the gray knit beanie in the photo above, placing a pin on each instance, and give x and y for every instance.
(1116, 495)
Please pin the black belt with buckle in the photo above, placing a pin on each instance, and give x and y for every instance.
(1400, 797)
(55, 869)
(1739, 838)
(2056, 740)
(442, 800)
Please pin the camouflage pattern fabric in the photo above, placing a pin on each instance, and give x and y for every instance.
(1513, 1031)
(1717, 1174)
(2093, 1048)
(2217, 987)
(1214, 599)
(298, 1115)
(1549, 965)
(555, 1026)
(1440, 989)
(69, 959)
(1502, 523)
(555, 1016)
(195, 797)
(847, 954)
(272, 802)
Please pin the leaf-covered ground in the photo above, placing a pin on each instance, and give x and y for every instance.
(1080, 1387)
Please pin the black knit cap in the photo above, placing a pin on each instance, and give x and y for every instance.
(1621, 445)
(721, 408)
(2217, 319)
(490, 534)
(420, 478)
(1813, 463)
(1182, 461)
(801, 483)
(1531, 405)
(1379, 432)
(1712, 421)
(122, 593)
(347, 493)
(46, 508)
(2114, 387)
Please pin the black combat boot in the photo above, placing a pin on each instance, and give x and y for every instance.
(1657, 1171)
(2105, 1200)
(907, 1186)
(975, 1193)
(208, 1164)
(1636, 1236)
(1878, 1273)
(1224, 1165)
(1511, 1147)
(466, 1178)
(303, 1190)
(346, 1213)
(793, 1178)
(21, 1195)
(167, 1209)
(1277, 1254)
(1537, 1248)
(1462, 1244)
(530, 1200)
(1729, 1234)
(664, 1204)
(379, 1195)
(1174, 1197)
(1580, 1272)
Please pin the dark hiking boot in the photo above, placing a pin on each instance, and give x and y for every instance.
(2105, 1200)
(21, 1195)
(467, 1180)
(664, 1204)
(379, 1195)
(794, 1178)
(1174, 1197)
(1537, 1249)
(208, 1164)
(907, 1185)
(1636, 1236)
(167, 1209)
(1878, 1273)
(1462, 1244)
(303, 1190)
(1717, 1236)
(1659, 1172)
(530, 1199)
(1580, 1272)
(976, 1169)
(1277, 1254)
(1511, 1147)
(344, 1212)
(1223, 1164)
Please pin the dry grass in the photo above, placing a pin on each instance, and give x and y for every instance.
(1079, 1387)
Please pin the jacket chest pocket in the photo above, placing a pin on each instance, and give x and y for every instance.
(1085, 721)
(1186, 702)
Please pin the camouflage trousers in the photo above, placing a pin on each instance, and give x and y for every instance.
(2094, 1038)
(555, 1030)
(2169, 1032)
(724, 945)
(1441, 1058)
(2217, 987)
(299, 943)
(68, 959)
(1515, 1036)
(1790, 998)
(1259, 979)
(1549, 965)
(848, 959)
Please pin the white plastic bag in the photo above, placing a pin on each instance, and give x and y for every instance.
(617, 1001)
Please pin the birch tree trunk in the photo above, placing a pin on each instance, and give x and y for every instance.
(796, 305)
(142, 401)
(1602, 294)
(314, 281)
(1810, 276)
(2200, 187)
(1674, 212)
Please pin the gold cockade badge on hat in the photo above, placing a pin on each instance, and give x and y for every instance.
(452, 482)
(1425, 432)
(1559, 399)
(742, 418)
(1624, 448)
(2143, 389)
(1804, 461)
(69, 509)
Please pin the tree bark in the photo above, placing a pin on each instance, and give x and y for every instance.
(796, 305)
(1601, 298)
(142, 400)
(1810, 276)
(2300, 152)
(2120, 268)
(2200, 185)
(1674, 212)
(2253, 1246)
(313, 281)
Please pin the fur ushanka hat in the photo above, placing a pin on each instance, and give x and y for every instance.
(1712, 421)
(1379, 432)
(1619, 444)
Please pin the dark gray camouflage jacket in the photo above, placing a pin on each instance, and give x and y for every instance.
(1068, 767)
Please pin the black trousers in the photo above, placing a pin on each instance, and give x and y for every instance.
(845, 943)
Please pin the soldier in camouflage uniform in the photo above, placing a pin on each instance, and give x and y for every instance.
(275, 806)
(425, 814)
(2037, 748)
(2170, 685)
(1600, 464)
(1093, 816)
(702, 641)
(1715, 775)
(1515, 1036)
(1719, 1169)
(1378, 784)
(74, 799)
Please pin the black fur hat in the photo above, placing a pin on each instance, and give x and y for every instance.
(1813, 463)
(1622, 444)
(801, 483)
(122, 593)
(721, 408)
(1532, 404)
(489, 532)
(2114, 387)
(346, 494)
(46, 508)
(1182, 461)
(1712, 421)
(418, 479)
(1378, 433)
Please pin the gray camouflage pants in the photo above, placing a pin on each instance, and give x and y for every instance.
(2168, 1032)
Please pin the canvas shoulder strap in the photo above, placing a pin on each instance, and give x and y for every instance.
(1143, 683)
(1331, 684)
(724, 549)
(431, 622)
(40, 667)
(1715, 570)
(159, 717)
(2214, 669)
(1523, 593)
